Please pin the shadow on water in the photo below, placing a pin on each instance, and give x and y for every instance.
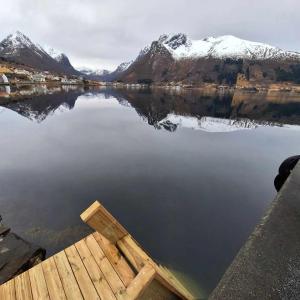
(190, 187)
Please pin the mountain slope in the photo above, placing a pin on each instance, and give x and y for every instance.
(20, 49)
(214, 60)
(117, 73)
(94, 74)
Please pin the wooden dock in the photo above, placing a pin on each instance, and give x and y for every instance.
(108, 264)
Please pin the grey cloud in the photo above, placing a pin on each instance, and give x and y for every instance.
(104, 33)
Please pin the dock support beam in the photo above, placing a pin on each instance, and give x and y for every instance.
(97, 217)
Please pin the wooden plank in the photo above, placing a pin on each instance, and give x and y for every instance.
(100, 283)
(138, 258)
(139, 284)
(54, 285)
(158, 291)
(169, 282)
(173, 277)
(102, 221)
(7, 290)
(23, 287)
(117, 260)
(84, 281)
(67, 277)
(105, 266)
(38, 283)
(134, 255)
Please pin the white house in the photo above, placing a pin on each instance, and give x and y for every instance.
(38, 78)
(22, 72)
(3, 79)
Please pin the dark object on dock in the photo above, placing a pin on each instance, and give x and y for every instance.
(285, 170)
(16, 254)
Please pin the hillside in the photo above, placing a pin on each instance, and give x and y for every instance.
(176, 58)
(18, 48)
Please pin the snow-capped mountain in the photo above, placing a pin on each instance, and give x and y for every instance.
(117, 72)
(95, 72)
(123, 66)
(18, 48)
(14, 43)
(214, 60)
(227, 46)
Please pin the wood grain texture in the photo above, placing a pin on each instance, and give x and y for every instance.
(117, 260)
(53, 282)
(83, 279)
(97, 277)
(23, 287)
(105, 266)
(67, 277)
(38, 283)
(97, 217)
(7, 290)
(139, 284)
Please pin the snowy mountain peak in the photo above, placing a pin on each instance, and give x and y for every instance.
(226, 46)
(17, 39)
(19, 48)
(174, 40)
(93, 72)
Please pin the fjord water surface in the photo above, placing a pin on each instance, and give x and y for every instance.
(188, 175)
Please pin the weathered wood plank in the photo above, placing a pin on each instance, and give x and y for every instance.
(138, 258)
(54, 285)
(7, 290)
(84, 281)
(134, 254)
(158, 292)
(38, 283)
(68, 280)
(97, 217)
(23, 287)
(116, 259)
(139, 284)
(100, 283)
(106, 268)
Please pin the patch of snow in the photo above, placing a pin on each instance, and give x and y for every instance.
(211, 124)
(54, 53)
(123, 66)
(90, 71)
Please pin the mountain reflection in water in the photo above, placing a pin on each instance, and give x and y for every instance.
(173, 184)
(194, 109)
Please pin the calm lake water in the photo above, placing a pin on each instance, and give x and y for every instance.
(189, 174)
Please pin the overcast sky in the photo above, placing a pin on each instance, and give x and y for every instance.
(104, 33)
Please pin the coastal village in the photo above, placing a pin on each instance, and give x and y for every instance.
(17, 75)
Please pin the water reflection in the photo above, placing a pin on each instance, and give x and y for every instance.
(175, 108)
(197, 193)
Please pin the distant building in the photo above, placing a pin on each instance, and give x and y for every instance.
(66, 80)
(22, 72)
(52, 77)
(38, 78)
(3, 79)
